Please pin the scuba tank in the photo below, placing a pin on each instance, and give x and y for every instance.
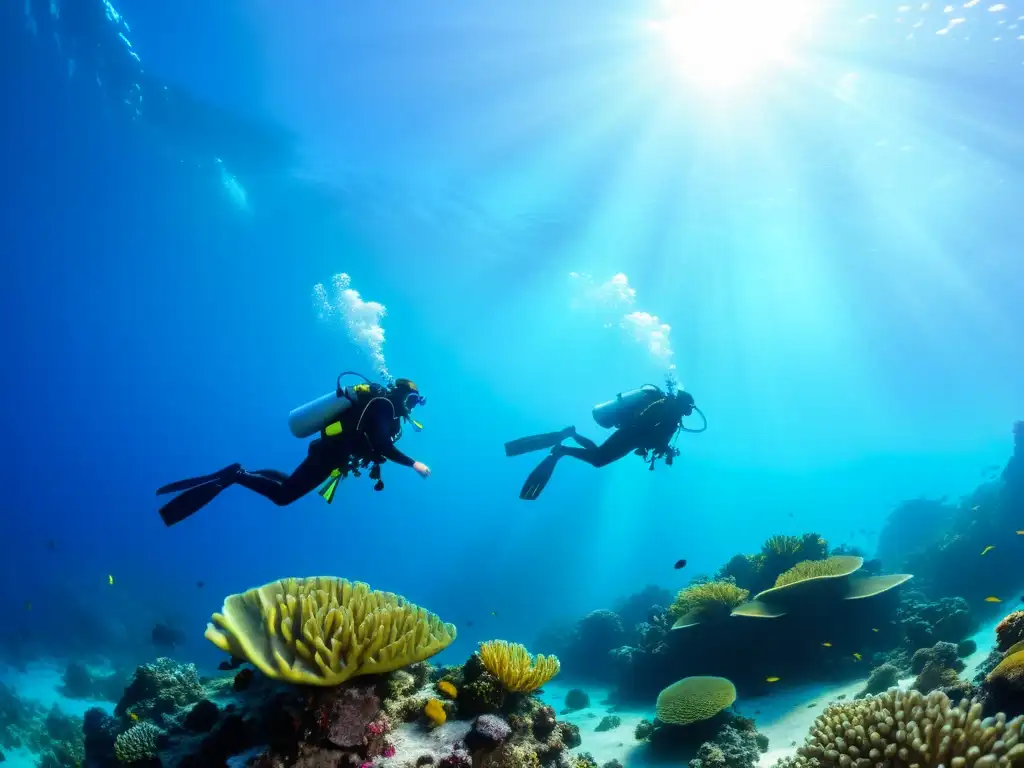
(316, 415)
(625, 406)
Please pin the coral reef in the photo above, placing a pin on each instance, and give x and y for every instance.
(160, 689)
(908, 729)
(609, 723)
(324, 630)
(1010, 630)
(926, 622)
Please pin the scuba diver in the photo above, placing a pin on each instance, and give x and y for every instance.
(646, 422)
(358, 428)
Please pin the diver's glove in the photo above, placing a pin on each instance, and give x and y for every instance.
(421, 469)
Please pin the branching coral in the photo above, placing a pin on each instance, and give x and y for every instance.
(901, 730)
(324, 630)
(705, 601)
(512, 664)
(693, 699)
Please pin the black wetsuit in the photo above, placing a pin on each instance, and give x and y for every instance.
(372, 436)
(651, 431)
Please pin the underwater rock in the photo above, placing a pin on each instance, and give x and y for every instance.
(488, 732)
(608, 723)
(644, 605)
(202, 717)
(1010, 630)
(158, 689)
(644, 730)
(943, 654)
(586, 653)
(100, 730)
(965, 648)
(570, 735)
(348, 713)
(79, 682)
(544, 722)
(727, 737)
(881, 679)
(936, 676)
(576, 699)
(612, 764)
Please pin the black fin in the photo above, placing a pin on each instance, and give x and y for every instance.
(538, 479)
(191, 501)
(536, 442)
(194, 482)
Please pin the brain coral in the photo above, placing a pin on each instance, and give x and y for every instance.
(693, 699)
(324, 630)
(902, 730)
(136, 744)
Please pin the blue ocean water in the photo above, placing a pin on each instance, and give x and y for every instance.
(827, 259)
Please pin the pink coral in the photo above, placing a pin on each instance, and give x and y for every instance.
(389, 750)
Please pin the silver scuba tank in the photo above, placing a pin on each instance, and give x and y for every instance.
(625, 406)
(314, 416)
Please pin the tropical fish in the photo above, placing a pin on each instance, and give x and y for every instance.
(874, 629)
(857, 656)
(987, 549)
(991, 599)
(827, 645)
(1020, 533)
(772, 679)
(134, 716)
(110, 579)
(680, 564)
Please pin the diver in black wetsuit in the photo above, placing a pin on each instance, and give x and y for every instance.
(364, 436)
(645, 420)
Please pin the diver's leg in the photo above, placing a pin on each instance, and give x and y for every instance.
(284, 489)
(586, 442)
(620, 443)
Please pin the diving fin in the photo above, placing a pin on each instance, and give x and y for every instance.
(537, 442)
(538, 479)
(187, 503)
(195, 482)
(328, 489)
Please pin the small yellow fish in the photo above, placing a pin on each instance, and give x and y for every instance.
(134, 716)
(857, 656)
(772, 679)
(993, 600)
(874, 629)
(1020, 533)
(827, 645)
(987, 549)
(110, 579)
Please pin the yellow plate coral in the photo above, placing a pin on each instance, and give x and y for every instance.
(814, 580)
(323, 630)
